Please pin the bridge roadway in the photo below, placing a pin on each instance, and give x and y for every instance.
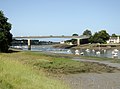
(30, 37)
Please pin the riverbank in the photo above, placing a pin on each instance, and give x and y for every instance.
(31, 70)
(93, 81)
(89, 46)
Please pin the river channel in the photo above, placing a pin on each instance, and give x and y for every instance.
(84, 52)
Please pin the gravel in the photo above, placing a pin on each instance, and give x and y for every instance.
(93, 81)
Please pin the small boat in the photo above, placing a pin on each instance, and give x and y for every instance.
(93, 50)
(68, 51)
(87, 50)
(104, 51)
(115, 55)
(113, 52)
(81, 53)
(116, 50)
(77, 52)
(98, 52)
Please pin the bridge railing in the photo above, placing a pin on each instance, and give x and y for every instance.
(28, 37)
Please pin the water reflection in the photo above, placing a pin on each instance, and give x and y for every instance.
(85, 52)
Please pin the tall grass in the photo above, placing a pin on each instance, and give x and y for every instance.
(15, 75)
(24, 70)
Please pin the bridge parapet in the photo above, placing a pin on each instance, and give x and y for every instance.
(30, 37)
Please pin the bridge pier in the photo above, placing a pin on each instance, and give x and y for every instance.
(32, 37)
(29, 44)
(78, 41)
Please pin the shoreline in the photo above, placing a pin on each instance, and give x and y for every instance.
(88, 46)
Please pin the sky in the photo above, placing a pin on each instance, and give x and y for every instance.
(61, 17)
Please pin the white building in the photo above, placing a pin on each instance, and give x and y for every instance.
(114, 40)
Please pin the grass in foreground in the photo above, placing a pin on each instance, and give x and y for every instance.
(15, 75)
(24, 70)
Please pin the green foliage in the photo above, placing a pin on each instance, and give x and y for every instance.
(5, 85)
(100, 37)
(5, 35)
(16, 75)
(86, 41)
(87, 32)
(74, 41)
(114, 35)
(75, 34)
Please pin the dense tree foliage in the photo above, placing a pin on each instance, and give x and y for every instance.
(114, 35)
(86, 41)
(74, 41)
(5, 35)
(87, 32)
(75, 34)
(100, 37)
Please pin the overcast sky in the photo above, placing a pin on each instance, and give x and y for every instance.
(61, 17)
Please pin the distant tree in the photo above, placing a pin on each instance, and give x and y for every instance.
(5, 35)
(75, 34)
(114, 35)
(87, 32)
(100, 37)
(74, 41)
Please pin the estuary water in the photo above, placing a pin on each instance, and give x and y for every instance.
(110, 53)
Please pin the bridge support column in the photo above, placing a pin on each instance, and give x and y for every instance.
(78, 41)
(29, 44)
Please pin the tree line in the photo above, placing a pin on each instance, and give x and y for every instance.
(5, 35)
(98, 37)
